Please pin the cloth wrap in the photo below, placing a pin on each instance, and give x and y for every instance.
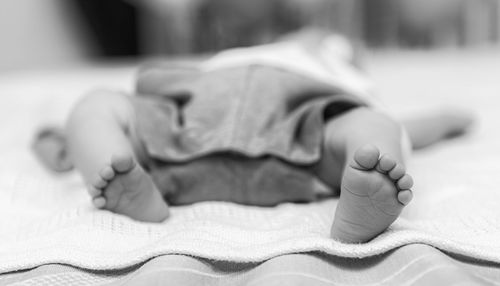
(248, 134)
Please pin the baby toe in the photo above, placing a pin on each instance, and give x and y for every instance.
(405, 183)
(386, 163)
(99, 182)
(122, 163)
(397, 172)
(366, 157)
(93, 191)
(99, 202)
(405, 197)
(107, 173)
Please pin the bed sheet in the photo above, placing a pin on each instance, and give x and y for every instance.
(407, 82)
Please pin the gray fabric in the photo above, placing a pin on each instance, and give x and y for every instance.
(247, 135)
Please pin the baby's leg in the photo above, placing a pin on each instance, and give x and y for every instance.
(436, 126)
(373, 188)
(104, 149)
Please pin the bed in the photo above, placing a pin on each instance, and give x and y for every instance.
(450, 235)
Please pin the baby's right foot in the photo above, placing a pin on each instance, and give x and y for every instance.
(125, 188)
(373, 193)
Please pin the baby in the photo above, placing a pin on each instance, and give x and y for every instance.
(282, 122)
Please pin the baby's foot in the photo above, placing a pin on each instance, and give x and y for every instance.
(125, 188)
(373, 193)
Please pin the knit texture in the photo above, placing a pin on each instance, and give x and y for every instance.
(46, 218)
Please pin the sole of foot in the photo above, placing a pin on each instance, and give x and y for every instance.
(124, 187)
(374, 191)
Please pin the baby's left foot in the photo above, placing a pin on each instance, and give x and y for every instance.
(374, 191)
(124, 187)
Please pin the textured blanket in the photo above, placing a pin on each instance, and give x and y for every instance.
(47, 218)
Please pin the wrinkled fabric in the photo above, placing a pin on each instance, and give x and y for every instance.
(245, 134)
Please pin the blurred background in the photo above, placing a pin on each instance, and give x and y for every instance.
(41, 34)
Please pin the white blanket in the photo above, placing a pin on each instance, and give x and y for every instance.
(47, 218)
